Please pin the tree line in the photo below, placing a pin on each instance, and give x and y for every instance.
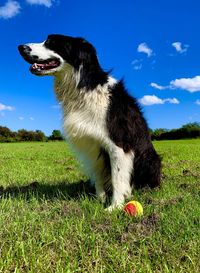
(190, 130)
(6, 135)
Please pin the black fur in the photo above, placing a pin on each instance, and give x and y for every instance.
(128, 130)
(76, 52)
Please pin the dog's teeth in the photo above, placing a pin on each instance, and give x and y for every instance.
(35, 66)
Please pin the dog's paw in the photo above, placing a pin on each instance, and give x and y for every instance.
(102, 197)
(114, 207)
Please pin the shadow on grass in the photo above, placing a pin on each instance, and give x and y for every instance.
(62, 190)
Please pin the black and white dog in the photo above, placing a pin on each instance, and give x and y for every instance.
(102, 122)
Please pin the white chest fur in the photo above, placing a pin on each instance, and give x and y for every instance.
(85, 124)
(85, 114)
(87, 121)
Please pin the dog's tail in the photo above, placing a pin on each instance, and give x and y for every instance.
(147, 169)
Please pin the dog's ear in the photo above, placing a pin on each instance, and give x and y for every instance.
(87, 53)
(91, 71)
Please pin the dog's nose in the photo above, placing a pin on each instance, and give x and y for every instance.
(24, 49)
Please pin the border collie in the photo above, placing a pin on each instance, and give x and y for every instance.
(102, 122)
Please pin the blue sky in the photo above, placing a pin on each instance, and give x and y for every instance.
(153, 45)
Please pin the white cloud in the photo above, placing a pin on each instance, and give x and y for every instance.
(6, 107)
(197, 102)
(46, 3)
(21, 118)
(173, 101)
(144, 48)
(31, 118)
(157, 86)
(189, 84)
(152, 99)
(179, 48)
(137, 64)
(10, 9)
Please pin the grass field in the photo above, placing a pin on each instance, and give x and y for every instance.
(50, 223)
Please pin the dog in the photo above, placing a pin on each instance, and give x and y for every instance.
(102, 122)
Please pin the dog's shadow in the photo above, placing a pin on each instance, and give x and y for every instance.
(61, 190)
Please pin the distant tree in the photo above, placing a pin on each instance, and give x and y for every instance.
(189, 130)
(191, 126)
(6, 135)
(156, 134)
(24, 135)
(39, 136)
(56, 135)
(5, 132)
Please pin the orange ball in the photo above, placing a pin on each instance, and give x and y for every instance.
(133, 208)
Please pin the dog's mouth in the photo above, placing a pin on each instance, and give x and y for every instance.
(44, 66)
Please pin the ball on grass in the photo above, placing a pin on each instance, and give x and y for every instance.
(133, 208)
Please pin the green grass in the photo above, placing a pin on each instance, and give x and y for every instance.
(49, 222)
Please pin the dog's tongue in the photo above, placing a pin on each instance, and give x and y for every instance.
(51, 63)
(40, 65)
(45, 64)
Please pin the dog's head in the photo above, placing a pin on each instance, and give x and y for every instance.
(61, 53)
(49, 57)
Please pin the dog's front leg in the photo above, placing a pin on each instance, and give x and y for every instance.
(103, 175)
(121, 170)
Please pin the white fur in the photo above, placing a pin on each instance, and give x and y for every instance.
(121, 169)
(38, 49)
